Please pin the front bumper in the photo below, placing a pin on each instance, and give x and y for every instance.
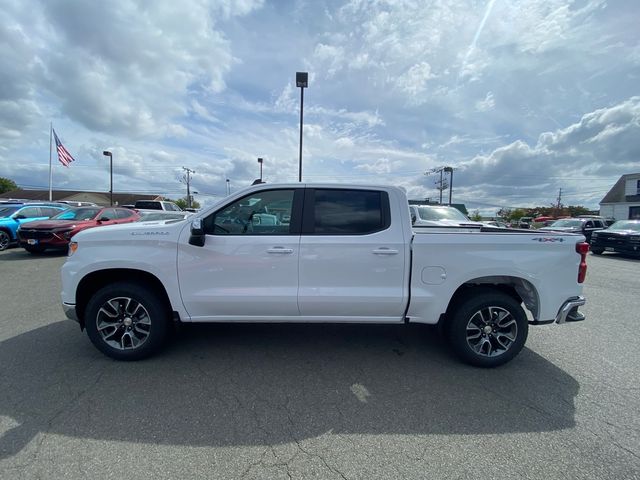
(70, 311)
(569, 310)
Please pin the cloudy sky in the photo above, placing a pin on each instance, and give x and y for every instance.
(522, 97)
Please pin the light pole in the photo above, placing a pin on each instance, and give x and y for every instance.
(450, 171)
(302, 81)
(228, 187)
(260, 162)
(106, 153)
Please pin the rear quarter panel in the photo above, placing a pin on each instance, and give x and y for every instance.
(442, 262)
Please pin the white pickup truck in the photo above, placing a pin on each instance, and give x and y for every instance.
(320, 253)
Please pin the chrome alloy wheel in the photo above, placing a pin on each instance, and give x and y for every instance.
(123, 323)
(491, 331)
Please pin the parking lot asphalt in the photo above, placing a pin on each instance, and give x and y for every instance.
(317, 401)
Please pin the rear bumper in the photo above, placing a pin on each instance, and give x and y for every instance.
(569, 310)
(70, 311)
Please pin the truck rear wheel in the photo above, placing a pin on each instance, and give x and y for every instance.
(126, 321)
(488, 329)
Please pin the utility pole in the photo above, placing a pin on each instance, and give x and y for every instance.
(559, 198)
(442, 184)
(450, 171)
(187, 179)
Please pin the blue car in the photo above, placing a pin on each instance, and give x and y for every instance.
(14, 215)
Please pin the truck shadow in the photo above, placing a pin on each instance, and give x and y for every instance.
(224, 385)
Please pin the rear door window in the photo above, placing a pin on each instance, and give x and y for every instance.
(31, 212)
(345, 212)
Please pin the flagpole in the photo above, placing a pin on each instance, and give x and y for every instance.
(50, 170)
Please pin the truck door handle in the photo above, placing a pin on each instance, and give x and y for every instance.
(279, 250)
(385, 251)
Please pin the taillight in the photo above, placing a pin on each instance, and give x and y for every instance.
(582, 248)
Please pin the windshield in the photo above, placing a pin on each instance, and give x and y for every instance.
(567, 223)
(7, 211)
(625, 225)
(77, 214)
(441, 213)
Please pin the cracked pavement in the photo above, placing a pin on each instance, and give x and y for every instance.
(317, 401)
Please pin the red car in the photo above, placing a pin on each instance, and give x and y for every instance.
(37, 236)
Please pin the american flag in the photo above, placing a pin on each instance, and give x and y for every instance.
(64, 156)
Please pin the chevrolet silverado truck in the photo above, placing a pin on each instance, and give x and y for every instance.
(321, 253)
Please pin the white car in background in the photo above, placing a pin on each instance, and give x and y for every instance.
(161, 215)
(439, 216)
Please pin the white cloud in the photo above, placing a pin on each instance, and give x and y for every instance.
(414, 81)
(488, 103)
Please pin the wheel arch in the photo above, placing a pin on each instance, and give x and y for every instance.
(94, 281)
(517, 288)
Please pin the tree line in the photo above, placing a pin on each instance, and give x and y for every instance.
(514, 214)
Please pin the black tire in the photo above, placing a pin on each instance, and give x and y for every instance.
(597, 251)
(35, 249)
(5, 240)
(499, 321)
(121, 322)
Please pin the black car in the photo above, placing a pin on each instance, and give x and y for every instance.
(623, 236)
(585, 226)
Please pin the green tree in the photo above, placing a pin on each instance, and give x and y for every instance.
(7, 185)
(575, 210)
(182, 203)
(475, 216)
(504, 214)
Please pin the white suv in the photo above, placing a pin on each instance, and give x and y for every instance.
(157, 205)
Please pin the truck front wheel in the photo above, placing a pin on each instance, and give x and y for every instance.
(126, 321)
(5, 240)
(487, 329)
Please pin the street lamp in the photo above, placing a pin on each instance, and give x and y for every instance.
(260, 162)
(106, 153)
(228, 187)
(302, 81)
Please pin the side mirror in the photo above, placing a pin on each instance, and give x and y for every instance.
(103, 219)
(19, 217)
(413, 219)
(197, 236)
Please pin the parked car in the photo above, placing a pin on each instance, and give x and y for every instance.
(496, 223)
(439, 216)
(585, 226)
(525, 222)
(73, 203)
(160, 215)
(608, 221)
(320, 253)
(156, 205)
(13, 219)
(623, 236)
(55, 233)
